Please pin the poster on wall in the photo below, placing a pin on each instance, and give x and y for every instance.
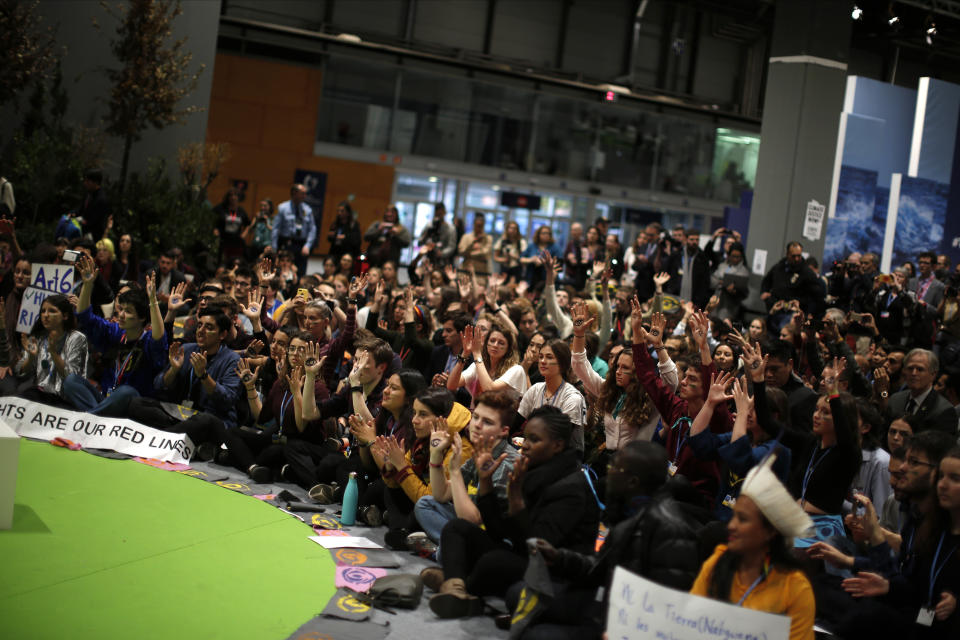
(316, 184)
(856, 225)
(920, 207)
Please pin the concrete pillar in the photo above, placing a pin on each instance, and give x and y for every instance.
(806, 79)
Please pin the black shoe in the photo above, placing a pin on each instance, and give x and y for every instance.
(224, 458)
(503, 620)
(396, 539)
(260, 474)
(371, 515)
(206, 452)
(286, 472)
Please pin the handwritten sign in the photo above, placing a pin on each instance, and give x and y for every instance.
(640, 610)
(46, 280)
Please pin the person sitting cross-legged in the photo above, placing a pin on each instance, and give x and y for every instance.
(135, 351)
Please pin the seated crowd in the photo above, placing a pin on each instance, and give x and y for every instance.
(511, 399)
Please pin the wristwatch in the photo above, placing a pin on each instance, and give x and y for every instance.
(478, 360)
(356, 388)
(352, 301)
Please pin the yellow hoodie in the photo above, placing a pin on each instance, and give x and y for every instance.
(415, 487)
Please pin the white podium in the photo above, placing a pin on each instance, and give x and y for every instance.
(9, 455)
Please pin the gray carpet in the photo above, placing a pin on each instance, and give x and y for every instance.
(406, 624)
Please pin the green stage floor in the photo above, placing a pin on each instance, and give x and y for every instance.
(116, 549)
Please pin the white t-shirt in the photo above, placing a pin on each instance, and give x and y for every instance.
(514, 376)
(567, 399)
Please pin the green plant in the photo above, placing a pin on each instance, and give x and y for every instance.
(45, 160)
(153, 76)
(28, 54)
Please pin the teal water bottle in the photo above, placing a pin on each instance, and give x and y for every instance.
(348, 514)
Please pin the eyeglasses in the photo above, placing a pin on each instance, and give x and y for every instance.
(914, 462)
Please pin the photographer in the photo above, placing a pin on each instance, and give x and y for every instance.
(440, 237)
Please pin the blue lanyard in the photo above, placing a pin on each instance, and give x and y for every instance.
(751, 588)
(811, 467)
(284, 403)
(620, 403)
(681, 439)
(935, 570)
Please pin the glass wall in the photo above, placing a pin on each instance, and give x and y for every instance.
(486, 121)
(416, 195)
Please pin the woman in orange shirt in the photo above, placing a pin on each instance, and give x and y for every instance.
(755, 569)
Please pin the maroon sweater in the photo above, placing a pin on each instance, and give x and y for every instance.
(703, 474)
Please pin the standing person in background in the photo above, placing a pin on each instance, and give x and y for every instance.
(928, 289)
(294, 229)
(344, 235)
(126, 266)
(387, 238)
(232, 221)
(542, 241)
(439, 237)
(95, 208)
(258, 235)
(575, 258)
(475, 248)
(791, 279)
(508, 249)
(732, 293)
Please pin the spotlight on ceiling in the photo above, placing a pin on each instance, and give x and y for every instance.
(857, 13)
(893, 20)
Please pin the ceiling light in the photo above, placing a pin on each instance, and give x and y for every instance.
(893, 20)
(857, 12)
(432, 179)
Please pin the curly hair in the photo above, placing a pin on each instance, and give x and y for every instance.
(637, 408)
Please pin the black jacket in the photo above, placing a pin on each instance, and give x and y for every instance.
(559, 507)
(659, 542)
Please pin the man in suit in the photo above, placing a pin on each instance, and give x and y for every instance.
(690, 269)
(294, 228)
(925, 285)
(920, 368)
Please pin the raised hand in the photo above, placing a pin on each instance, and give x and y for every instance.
(30, 345)
(247, 377)
(741, 398)
(699, 324)
(254, 348)
(456, 455)
(831, 374)
(439, 438)
(87, 268)
(658, 325)
(358, 365)
(175, 355)
(483, 458)
(466, 341)
(827, 553)
(199, 363)
(636, 320)
(311, 360)
(754, 361)
(253, 307)
(490, 294)
(661, 279)
(718, 387)
(439, 379)
(265, 270)
(465, 286)
(150, 284)
(450, 273)
(357, 286)
(295, 381)
(582, 320)
(177, 298)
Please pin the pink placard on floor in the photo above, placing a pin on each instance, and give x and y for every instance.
(358, 578)
(330, 532)
(166, 466)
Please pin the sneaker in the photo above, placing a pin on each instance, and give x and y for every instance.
(396, 539)
(419, 543)
(321, 493)
(370, 515)
(260, 474)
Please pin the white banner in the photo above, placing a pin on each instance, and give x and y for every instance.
(45, 280)
(35, 420)
(640, 609)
